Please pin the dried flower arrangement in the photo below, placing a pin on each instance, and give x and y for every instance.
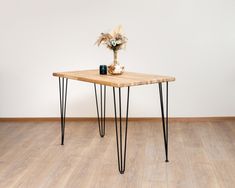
(114, 41)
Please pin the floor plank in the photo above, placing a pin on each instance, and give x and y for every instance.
(201, 155)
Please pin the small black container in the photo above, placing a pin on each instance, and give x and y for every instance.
(103, 69)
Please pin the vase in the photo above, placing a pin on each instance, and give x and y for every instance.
(115, 68)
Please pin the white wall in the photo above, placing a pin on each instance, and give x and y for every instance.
(194, 40)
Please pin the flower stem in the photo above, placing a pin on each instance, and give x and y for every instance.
(115, 56)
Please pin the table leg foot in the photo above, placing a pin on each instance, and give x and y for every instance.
(101, 116)
(63, 85)
(164, 119)
(121, 152)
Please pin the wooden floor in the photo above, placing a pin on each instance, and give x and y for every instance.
(201, 155)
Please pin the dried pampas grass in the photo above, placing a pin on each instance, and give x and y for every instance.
(114, 40)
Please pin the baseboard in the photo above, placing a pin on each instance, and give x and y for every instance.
(171, 119)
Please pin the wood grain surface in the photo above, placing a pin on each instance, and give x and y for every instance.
(124, 80)
(201, 155)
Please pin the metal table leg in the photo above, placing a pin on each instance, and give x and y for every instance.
(63, 85)
(101, 116)
(164, 119)
(120, 150)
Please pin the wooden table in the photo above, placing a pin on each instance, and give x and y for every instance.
(126, 80)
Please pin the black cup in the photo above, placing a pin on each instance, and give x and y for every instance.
(103, 69)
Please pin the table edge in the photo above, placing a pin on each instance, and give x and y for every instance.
(60, 74)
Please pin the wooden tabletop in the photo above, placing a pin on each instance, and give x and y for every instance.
(124, 80)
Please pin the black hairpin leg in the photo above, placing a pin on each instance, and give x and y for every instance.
(164, 119)
(63, 85)
(120, 155)
(101, 116)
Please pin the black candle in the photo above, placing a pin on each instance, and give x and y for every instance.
(103, 69)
